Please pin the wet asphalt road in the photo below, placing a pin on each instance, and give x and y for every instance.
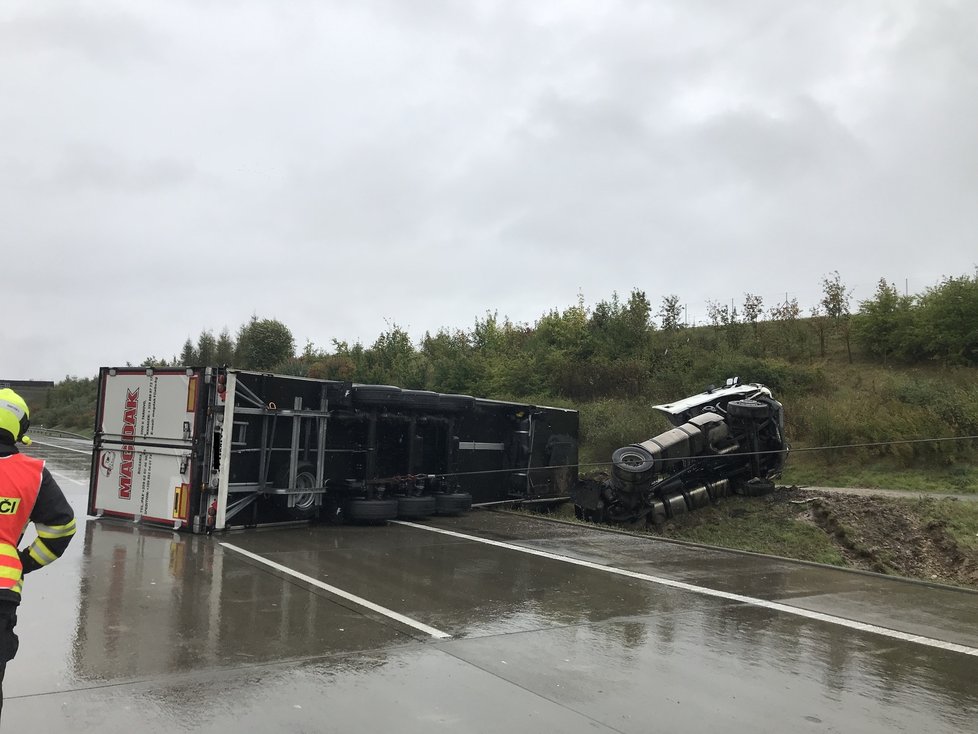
(147, 630)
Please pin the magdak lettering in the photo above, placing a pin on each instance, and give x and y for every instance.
(128, 452)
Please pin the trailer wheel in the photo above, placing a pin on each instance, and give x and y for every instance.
(305, 507)
(371, 510)
(376, 396)
(749, 409)
(452, 403)
(420, 399)
(454, 503)
(416, 508)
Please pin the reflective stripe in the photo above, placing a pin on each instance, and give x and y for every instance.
(41, 553)
(11, 571)
(55, 531)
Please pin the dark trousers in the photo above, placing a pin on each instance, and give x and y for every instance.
(8, 639)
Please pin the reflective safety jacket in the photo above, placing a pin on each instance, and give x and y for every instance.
(28, 493)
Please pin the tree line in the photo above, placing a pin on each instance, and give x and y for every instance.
(624, 347)
(619, 349)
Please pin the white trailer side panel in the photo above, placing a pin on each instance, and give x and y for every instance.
(144, 450)
(150, 484)
(156, 407)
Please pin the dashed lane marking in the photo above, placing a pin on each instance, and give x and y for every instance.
(360, 601)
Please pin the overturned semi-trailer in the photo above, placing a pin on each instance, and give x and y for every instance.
(212, 448)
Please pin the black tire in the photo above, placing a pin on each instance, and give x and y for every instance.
(756, 488)
(375, 396)
(306, 506)
(450, 403)
(420, 400)
(416, 508)
(633, 464)
(454, 503)
(371, 510)
(753, 409)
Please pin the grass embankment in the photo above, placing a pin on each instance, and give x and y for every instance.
(932, 539)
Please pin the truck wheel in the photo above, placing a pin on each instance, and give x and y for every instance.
(305, 507)
(633, 464)
(749, 409)
(371, 510)
(416, 508)
(757, 487)
(453, 503)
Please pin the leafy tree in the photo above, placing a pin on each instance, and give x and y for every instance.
(451, 362)
(787, 311)
(885, 322)
(835, 296)
(835, 301)
(154, 361)
(346, 364)
(753, 309)
(295, 366)
(392, 359)
(69, 405)
(671, 313)
(788, 336)
(819, 323)
(721, 315)
(619, 330)
(949, 320)
(263, 343)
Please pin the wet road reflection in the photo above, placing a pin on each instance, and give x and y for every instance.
(158, 602)
(150, 630)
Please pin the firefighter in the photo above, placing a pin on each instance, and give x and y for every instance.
(28, 493)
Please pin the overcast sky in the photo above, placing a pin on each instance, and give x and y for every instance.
(168, 167)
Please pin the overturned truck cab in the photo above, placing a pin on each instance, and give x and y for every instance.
(211, 448)
(726, 440)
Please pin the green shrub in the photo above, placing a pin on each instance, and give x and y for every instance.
(607, 425)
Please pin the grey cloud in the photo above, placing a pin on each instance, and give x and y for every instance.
(334, 165)
(101, 168)
(104, 35)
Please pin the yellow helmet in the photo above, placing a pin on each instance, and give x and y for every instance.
(15, 416)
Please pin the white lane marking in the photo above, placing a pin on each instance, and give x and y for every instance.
(63, 448)
(706, 591)
(58, 475)
(436, 633)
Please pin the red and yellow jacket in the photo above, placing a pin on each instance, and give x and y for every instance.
(28, 493)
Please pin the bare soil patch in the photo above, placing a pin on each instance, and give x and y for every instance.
(932, 538)
(886, 535)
